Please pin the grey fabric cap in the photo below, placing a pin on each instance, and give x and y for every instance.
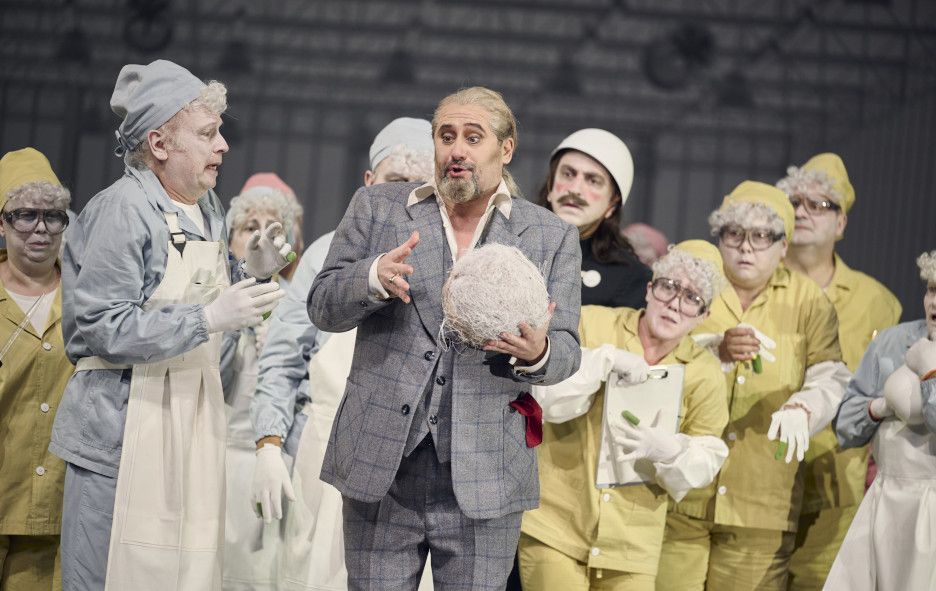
(415, 134)
(147, 96)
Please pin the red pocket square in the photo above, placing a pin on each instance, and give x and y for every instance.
(527, 406)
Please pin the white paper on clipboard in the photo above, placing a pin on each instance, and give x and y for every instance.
(662, 392)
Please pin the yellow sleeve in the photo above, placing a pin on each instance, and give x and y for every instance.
(705, 397)
(821, 330)
(597, 326)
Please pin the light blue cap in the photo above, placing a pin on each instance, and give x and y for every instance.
(147, 96)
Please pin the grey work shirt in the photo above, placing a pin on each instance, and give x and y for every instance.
(853, 426)
(114, 259)
(292, 339)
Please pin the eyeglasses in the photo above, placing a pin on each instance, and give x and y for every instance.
(812, 205)
(665, 289)
(27, 219)
(759, 238)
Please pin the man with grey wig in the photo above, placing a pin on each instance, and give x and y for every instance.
(147, 296)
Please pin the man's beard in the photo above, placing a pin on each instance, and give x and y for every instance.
(458, 190)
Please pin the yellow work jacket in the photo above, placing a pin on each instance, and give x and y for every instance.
(753, 489)
(615, 528)
(836, 477)
(32, 380)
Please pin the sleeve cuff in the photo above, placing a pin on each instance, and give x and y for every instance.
(528, 369)
(376, 289)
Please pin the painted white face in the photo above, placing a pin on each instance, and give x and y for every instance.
(583, 192)
(469, 160)
(666, 320)
(195, 154)
(748, 268)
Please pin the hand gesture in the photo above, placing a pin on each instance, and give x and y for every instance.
(791, 426)
(268, 252)
(392, 269)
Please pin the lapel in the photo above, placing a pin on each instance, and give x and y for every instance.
(427, 261)
(10, 310)
(500, 230)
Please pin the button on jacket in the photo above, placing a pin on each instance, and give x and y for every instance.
(755, 490)
(32, 380)
(617, 528)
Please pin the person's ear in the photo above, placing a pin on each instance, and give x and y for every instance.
(369, 177)
(158, 143)
(612, 209)
(507, 150)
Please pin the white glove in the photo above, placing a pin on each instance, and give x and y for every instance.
(766, 343)
(921, 357)
(879, 409)
(791, 426)
(630, 368)
(270, 482)
(241, 305)
(643, 442)
(267, 252)
(903, 395)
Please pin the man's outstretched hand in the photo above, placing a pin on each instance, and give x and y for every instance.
(392, 269)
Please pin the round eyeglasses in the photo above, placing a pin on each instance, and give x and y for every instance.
(665, 290)
(27, 219)
(759, 238)
(813, 206)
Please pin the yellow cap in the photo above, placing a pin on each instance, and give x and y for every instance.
(703, 250)
(834, 169)
(23, 166)
(772, 197)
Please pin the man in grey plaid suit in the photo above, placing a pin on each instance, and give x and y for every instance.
(426, 449)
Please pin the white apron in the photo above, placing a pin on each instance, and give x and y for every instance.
(891, 544)
(313, 550)
(168, 523)
(251, 547)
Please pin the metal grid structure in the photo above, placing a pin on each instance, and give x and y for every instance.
(706, 92)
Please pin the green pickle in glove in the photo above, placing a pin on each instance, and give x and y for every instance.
(630, 417)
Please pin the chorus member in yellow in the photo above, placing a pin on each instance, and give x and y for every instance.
(582, 537)
(738, 533)
(33, 370)
(822, 196)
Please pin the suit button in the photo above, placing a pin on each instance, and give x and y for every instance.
(433, 419)
(440, 380)
(429, 355)
(405, 409)
(363, 304)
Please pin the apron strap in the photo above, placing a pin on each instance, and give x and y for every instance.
(176, 235)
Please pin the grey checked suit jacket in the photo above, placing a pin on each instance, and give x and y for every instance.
(493, 472)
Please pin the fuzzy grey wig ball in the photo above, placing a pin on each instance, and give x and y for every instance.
(491, 290)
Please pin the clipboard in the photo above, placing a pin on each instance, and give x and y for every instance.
(662, 392)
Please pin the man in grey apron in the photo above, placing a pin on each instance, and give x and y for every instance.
(146, 296)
